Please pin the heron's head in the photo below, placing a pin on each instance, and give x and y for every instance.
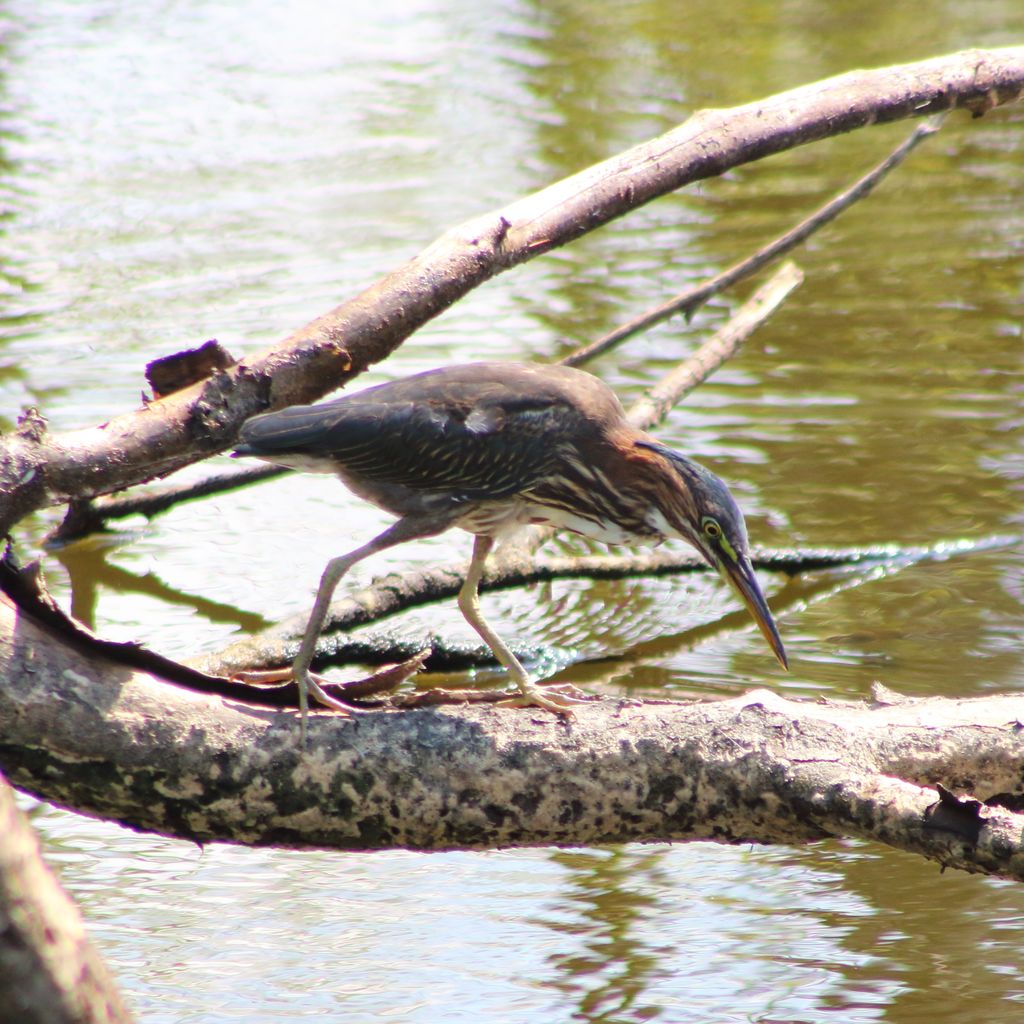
(697, 506)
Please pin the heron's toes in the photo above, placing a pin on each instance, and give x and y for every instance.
(560, 700)
(321, 696)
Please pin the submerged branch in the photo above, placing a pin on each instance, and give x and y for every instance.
(400, 592)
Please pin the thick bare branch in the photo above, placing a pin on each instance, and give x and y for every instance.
(86, 516)
(757, 769)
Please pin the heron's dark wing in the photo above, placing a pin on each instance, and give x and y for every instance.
(475, 445)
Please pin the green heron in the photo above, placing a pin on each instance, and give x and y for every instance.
(489, 448)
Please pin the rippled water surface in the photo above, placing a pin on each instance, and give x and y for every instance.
(180, 171)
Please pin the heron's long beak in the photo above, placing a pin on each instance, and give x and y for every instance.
(741, 575)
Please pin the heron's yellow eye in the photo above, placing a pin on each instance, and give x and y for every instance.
(711, 528)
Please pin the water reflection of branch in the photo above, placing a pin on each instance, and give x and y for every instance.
(615, 668)
(611, 892)
(89, 571)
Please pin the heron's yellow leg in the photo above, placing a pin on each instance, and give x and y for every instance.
(469, 604)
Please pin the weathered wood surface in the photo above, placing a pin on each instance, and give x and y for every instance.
(85, 732)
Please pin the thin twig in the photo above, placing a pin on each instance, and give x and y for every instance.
(690, 300)
(84, 517)
(722, 345)
(650, 410)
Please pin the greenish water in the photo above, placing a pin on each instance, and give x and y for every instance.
(171, 173)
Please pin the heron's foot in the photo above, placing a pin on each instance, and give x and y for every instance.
(314, 684)
(321, 696)
(560, 700)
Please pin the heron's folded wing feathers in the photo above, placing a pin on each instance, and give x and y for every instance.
(482, 447)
